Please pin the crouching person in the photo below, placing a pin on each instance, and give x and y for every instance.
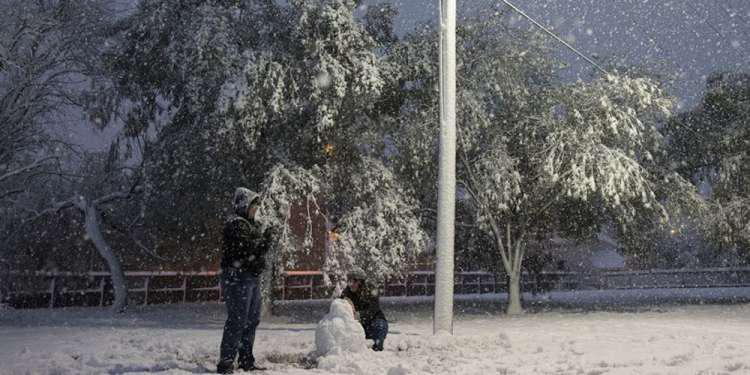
(244, 248)
(366, 302)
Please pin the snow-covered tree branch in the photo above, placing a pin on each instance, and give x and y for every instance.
(288, 109)
(535, 158)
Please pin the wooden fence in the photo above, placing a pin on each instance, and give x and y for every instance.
(57, 289)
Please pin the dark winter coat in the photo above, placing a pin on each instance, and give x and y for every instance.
(367, 303)
(245, 246)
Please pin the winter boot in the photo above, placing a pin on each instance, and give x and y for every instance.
(251, 366)
(225, 368)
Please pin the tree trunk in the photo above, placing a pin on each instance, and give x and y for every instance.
(269, 278)
(514, 294)
(94, 232)
(512, 254)
(266, 291)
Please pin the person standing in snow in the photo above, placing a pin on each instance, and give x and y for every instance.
(366, 302)
(244, 248)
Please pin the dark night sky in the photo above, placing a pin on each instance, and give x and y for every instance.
(687, 38)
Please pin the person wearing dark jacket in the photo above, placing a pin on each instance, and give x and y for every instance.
(366, 303)
(244, 248)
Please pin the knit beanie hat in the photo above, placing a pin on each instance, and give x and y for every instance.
(243, 197)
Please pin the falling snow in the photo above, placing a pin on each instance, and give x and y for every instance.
(594, 141)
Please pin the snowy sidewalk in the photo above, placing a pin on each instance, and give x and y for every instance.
(184, 339)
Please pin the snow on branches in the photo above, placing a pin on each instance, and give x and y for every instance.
(495, 185)
(600, 136)
(327, 32)
(322, 74)
(261, 93)
(283, 188)
(378, 228)
(381, 231)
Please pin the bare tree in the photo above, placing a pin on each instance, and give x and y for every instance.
(49, 60)
(46, 50)
(101, 183)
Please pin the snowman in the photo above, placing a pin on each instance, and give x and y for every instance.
(339, 332)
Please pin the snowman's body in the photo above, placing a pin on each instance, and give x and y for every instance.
(339, 332)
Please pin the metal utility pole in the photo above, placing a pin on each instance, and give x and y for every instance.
(443, 312)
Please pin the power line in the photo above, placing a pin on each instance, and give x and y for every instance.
(713, 27)
(552, 34)
(732, 14)
(707, 21)
(522, 13)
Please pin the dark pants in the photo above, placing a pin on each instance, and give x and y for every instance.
(376, 330)
(242, 296)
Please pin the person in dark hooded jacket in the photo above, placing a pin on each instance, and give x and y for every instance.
(366, 302)
(245, 245)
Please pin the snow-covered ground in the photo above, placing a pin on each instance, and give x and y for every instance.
(634, 337)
